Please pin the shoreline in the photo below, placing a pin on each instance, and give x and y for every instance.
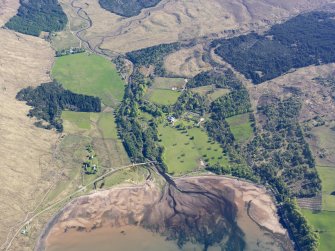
(229, 190)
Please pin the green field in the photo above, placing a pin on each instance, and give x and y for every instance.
(203, 90)
(101, 129)
(218, 93)
(168, 83)
(240, 127)
(183, 151)
(70, 156)
(324, 223)
(77, 119)
(107, 126)
(91, 75)
(163, 97)
(327, 175)
(211, 92)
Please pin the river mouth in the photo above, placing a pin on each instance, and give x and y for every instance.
(198, 213)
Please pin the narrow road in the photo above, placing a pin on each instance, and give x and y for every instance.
(8, 244)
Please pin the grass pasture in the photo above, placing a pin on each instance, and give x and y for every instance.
(64, 40)
(76, 120)
(210, 91)
(70, 156)
(324, 223)
(203, 90)
(161, 92)
(101, 129)
(327, 175)
(184, 150)
(168, 83)
(240, 127)
(107, 125)
(134, 176)
(219, 92)
(325, 140)
(91, 75)
(163, 97)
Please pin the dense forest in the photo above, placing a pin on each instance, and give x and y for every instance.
(153, 56)
(50, 99)
(127, 8)
(35, 16)
(303, 40)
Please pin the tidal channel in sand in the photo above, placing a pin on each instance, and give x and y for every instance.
(215, 213)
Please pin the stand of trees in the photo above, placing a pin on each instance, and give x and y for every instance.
(153, 56)
(127, 8)
(218, 129)
(281, 148)
(226, 79)
(189, 101)
(280, 156)
(231, 104)
(50, 99)
(141, 143)
(35, 16)
(304, 40)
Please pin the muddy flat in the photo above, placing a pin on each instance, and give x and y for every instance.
(231, 212)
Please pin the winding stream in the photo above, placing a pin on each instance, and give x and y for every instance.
(204, 213)
(199, 213)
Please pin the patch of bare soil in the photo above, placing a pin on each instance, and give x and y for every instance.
(26, 151)
(174, 20)
(8, 8)
(215, 207)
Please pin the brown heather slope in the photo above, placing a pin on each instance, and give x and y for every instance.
(173, 20)
(316, 99)
(25, 150)
(8, 8)
(187, 62)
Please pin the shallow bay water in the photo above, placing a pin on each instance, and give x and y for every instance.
(226, 214)
(133, 238)
(128, 238)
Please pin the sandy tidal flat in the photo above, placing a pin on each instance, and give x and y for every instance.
(240, 211)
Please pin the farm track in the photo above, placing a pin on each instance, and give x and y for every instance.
(6, 246)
